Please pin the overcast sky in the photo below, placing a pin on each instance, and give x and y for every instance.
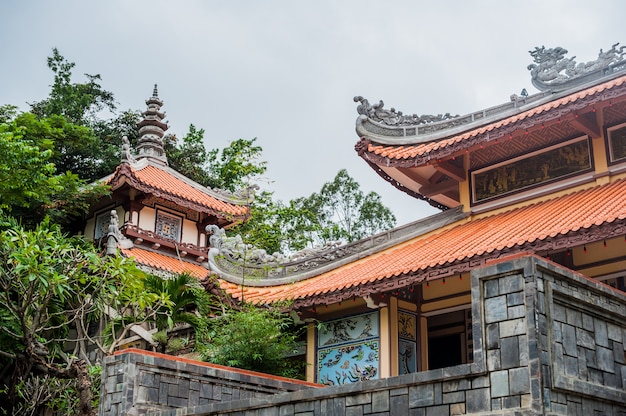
(286, 71)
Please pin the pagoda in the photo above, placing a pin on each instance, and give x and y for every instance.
(154, 214)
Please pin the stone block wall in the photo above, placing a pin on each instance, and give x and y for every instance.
(546, 341)
(582, 326)
(135, 382)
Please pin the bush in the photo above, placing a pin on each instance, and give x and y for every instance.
(255, 339)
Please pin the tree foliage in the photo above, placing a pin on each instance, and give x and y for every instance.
(339, 212)
(90, 143)
(79, 103)
(255, 339)
(51, 283)
(188, 303)
(30, 185)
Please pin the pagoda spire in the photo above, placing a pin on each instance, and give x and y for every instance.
(151, 131)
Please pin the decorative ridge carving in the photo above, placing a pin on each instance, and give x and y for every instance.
(245, 195)
(552, 71)
(391, 117)
(378, 124)
(231, 258)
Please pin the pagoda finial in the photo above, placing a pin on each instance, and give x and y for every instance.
(151, 131)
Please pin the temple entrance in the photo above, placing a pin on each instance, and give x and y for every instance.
(449, 339)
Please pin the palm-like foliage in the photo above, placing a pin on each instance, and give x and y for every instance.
(187, 303)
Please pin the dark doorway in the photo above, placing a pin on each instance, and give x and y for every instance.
(445, 351)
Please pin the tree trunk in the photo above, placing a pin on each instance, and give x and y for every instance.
(77, 370)
(84, 389)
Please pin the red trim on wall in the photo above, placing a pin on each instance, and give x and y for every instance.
(216, 366)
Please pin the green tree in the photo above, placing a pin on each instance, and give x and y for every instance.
(50, 284)
(345, 213)
(30, 187)
(79, 103)
(237, 165)
(278, 227)
(255, 339)
(339, 212)
(90, 143)
(189, 157)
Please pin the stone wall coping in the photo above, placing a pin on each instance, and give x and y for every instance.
(448, 374)
(178, 359)
(557, 268)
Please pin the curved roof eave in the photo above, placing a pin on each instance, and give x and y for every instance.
(175, 188)
(489, 120)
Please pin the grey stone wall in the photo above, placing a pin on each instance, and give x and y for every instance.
(135, 382)
(546, 341)
(582, 348)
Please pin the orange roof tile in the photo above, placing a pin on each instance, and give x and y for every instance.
(165, 184)
(465, 240)
(409, 151)
(166, 263)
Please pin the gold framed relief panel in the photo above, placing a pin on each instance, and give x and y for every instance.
(532, 170)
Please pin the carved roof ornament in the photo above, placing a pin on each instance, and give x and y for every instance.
(127, 156)
(115, 237)
(151, 131)
(245, 195)
(552, 71)
(391, 117)
(234, 260)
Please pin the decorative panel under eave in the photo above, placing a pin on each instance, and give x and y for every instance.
(348, 350)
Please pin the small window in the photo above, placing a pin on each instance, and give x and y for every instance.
(450, 340)
(102, 225)
(617, 143)
(168, 226)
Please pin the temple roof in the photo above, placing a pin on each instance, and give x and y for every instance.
(148, 172)
(556, 224)
(159, 263)
(429, 156)
(421, 152)
(164, 182)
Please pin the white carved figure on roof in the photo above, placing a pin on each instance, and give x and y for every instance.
(392, 117)
(549, 63)
(236, 249)
(217, 235)
(115, 236)
(610, 56)
(112, 233)
(127, 157)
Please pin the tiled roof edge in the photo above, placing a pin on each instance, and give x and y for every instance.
(325, 259)
(432, 132)
(129, 172)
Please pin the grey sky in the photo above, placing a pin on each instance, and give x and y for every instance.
(286, 71)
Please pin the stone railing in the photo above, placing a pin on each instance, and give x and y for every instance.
(135, 382)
